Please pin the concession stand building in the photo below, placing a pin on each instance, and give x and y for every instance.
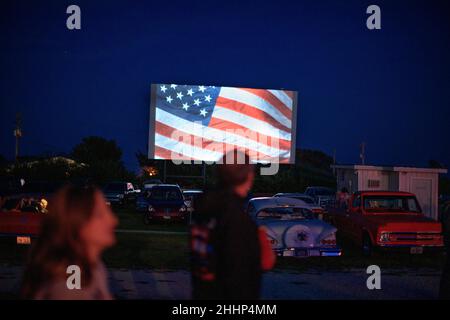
(423, 182)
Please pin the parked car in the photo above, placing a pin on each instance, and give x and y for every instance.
(165, 203)
(21, 217)
(387, 219)
(120, 193)
(305, 198)
(322, 196)
(292, 228)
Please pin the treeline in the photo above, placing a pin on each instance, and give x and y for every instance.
(100, 160)
(94, 158)
(311, 168)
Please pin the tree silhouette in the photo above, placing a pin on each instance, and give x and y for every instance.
(103, 158)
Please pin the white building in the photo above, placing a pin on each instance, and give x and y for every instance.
(423, 182)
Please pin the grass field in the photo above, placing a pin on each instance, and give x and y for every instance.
(129, 219)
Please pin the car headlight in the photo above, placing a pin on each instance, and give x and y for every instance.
(384, 236)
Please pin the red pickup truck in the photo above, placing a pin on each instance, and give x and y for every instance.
(386, 219)
(21, 216)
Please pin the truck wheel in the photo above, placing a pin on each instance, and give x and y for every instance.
(367, 246)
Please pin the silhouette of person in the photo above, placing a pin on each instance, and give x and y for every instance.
(228, 251)
(78, 227)
(444, 290)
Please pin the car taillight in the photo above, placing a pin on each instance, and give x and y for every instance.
(317, 210)
(272, 241)
(329, 241)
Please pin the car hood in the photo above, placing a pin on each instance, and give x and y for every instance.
(404, 222)
(160, 204)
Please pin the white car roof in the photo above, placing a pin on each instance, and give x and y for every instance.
(192, 191)
(271, 202)
(166, 185)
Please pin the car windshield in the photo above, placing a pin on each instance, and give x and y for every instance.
(10, 204)
(285, 213)
(115, 187)
(165, 194)
(391, 203)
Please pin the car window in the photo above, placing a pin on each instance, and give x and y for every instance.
(166, 194)
(30, 206)
(356, 202)
(308, 200)
(391, 203)
(283, 213)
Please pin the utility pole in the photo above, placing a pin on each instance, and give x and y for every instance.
(18, 133)
(362, 155)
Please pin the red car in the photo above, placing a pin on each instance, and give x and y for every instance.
(21, 216)
(165, 203)
(386, 219)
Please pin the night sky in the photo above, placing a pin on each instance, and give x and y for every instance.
(388, 87)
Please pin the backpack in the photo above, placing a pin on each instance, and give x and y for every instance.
(203, 252)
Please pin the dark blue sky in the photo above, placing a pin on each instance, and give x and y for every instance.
(389, 88)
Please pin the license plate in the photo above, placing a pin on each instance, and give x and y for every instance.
(288, 253)
(416, 250)
(23, 240)
(166, 217)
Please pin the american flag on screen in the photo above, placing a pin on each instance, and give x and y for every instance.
(219, 119)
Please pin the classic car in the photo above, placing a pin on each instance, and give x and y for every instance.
(387, 220)
(293, 228)
(165, 203)
(304, 197)
(21, 216)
